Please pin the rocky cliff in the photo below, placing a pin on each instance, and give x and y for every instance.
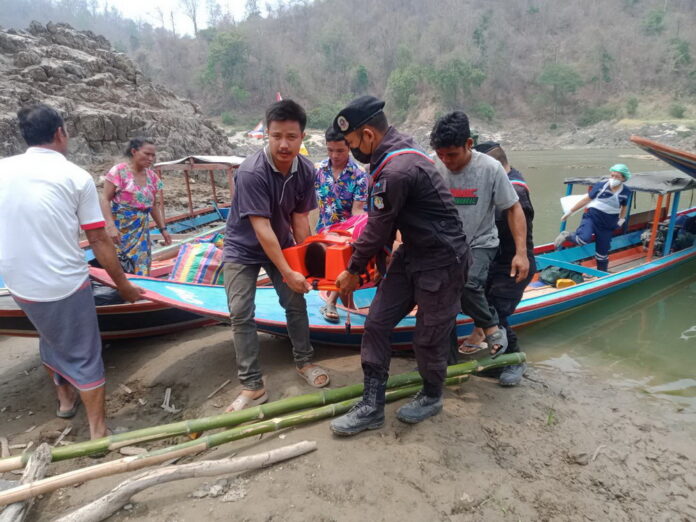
(102, 95)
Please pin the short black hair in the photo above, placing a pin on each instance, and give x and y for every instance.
(378, 121)
(333, 135)
(39, 123)
(499, 154)
(136, 143)
(452, 130)
(286, 110)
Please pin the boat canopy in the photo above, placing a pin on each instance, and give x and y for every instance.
(679, 159)
(657, 182)
(229, 161)
(202, 163)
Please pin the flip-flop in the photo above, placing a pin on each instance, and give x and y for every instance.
(68, 414)
(471, 349)
(498, 338)
(310, 373)
(325, 312)
(244, 401)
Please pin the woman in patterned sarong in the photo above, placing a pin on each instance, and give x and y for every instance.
(132, 192)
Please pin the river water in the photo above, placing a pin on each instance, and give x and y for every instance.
(643, 337)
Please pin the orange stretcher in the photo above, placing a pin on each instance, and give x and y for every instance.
(322, 257)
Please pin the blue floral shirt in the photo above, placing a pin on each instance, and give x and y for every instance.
(336, 197)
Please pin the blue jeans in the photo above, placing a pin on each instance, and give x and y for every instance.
(240, 286)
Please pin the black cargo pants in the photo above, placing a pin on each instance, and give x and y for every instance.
(437, 293)
(504, 294)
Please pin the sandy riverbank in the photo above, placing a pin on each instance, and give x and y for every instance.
(562, 446)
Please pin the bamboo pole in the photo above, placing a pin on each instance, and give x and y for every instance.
(193, 447)
(110, 503)
(264, 411)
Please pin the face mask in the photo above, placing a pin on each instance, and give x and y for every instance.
(360, 155)
(613, 182)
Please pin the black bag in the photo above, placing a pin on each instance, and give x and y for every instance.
(126, 263)
(551, 274)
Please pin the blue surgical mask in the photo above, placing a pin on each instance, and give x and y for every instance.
(613, 182)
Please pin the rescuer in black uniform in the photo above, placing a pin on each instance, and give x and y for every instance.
(427, 270)
(503, 292)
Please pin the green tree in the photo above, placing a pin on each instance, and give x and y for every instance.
(480, 34)
(252, 9)
(333, 48)
(455, 79)
(562, 79)
(606, 62)
(654, 22)
(361, 80)
(677, 110)
(484, 110)
(402, 86)
(680, 54)
(632, 106)
(292, 76)
(228, 56)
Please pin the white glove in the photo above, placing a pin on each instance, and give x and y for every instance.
(621, 222)
(566, 215)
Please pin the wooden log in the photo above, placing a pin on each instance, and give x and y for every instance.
(35, 470)
(110, 503)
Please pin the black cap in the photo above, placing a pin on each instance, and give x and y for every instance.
(486, 146)
(357, 113)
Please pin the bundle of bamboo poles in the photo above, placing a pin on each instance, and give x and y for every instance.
(193, 447)
(326, 402)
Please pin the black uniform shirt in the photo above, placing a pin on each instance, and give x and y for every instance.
(507, 242)
(410, 195)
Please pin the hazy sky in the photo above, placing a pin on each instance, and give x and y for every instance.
(146, 10)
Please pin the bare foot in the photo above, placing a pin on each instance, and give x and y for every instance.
(475, 337)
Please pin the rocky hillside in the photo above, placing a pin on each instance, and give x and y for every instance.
(103, 96)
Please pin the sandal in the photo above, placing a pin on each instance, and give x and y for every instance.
(244, 401)
(311, 372)
(329, 313)
(68, 414)
(498, 338)
(471, 349)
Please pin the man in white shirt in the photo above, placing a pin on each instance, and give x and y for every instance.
(44, 202)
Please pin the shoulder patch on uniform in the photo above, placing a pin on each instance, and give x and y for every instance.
(380, 187)
(378, 202)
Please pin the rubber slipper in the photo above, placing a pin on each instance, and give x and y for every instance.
(498, 338)
(329, 314)
(244, 401)
(470, 349)
(68, 414)
(310, 373)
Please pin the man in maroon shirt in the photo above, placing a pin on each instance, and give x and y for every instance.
(274, 192)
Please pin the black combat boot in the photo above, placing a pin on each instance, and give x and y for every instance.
(368, 414)
(420, 408)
